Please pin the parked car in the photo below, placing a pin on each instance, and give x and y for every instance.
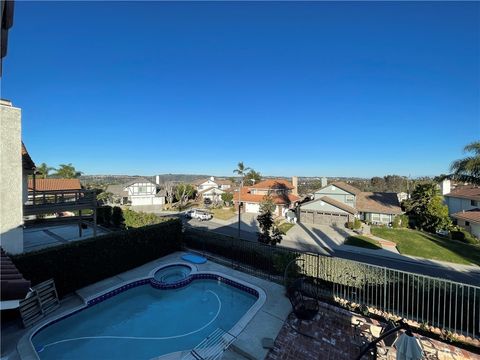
(201, 215)
(207, 201)
(188, 214)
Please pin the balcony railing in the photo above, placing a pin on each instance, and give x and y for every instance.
(42, 202)
(430, 302)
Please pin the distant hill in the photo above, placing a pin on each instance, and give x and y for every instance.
(121, 179)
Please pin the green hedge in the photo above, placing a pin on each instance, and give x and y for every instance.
(464, 236)
(81, 263)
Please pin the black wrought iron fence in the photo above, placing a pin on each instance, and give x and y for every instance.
(441, 303)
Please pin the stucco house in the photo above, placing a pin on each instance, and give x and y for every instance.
(137, 192)
(204, 184)
(339, 202)
(282, 192)
(464, 207)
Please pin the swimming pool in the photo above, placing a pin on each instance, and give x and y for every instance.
(142, 320)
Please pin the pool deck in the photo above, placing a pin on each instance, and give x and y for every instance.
(266, 323)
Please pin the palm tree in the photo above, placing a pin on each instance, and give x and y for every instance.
(43, 170)
(468, 169)
(241, 170)
(67, 171)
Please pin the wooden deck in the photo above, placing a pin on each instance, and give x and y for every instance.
(46, 202)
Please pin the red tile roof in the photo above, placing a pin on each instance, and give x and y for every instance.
(27, 161)
(466, 192)
(14, 286)
(277, 199)
(378, 202)
(469, 215)
(273, 184)
(54, 184)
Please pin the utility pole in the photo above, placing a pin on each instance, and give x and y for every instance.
(240, 206)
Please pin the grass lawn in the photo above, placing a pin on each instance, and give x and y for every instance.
(430, 246)
(362, 241)
(285, 227)
(223, 214)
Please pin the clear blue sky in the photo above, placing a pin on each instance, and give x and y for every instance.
(335, 89)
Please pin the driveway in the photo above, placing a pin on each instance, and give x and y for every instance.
(305, 236)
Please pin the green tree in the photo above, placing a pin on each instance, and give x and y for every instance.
(252, 177)
(267, 205)
(427, 209)
(67, 171)
(269, 232)
(468, 169)
(183, 192)
(105, 196)
(43, 170)
(227, 197)
(117, 217)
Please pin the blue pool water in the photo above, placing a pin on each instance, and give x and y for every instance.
(144, 322)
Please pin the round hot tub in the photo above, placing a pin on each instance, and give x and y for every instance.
(172, 274)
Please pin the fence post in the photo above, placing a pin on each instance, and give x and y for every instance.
(385, 289)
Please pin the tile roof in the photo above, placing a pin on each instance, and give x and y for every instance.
(466, 192)
(469, 215)
(344, 186)
(378, 202)
(27, 161)
(338, 204)
(13, 285)
(54, 184)
(273, 184)
(117, 190)
(277, 199)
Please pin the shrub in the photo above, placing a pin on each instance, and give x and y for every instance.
(135, 219)
(356, 224)
(400, 221)
(463, 236)
(81, 263)
(104, 215)
(117, 217)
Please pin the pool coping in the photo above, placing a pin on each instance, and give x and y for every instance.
(26, 349)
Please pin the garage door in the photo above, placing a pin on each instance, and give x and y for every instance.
(323, 218)
(252, 208)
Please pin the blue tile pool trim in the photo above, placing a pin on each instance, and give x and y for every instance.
(156, 284)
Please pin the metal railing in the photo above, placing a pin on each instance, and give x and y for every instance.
(441, 303)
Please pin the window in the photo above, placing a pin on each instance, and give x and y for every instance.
(474, 202)
(467, 223)
(349, 199)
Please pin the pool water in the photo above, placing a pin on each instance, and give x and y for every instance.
(144, 322)
(172, 274)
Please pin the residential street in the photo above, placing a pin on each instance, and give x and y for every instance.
(328, 240)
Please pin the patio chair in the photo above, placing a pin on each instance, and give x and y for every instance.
(304, 308)
(386, 345)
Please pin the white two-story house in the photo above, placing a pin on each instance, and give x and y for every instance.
(212, 188)
(137, 192)
(464, 206)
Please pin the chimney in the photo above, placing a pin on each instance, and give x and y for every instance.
(445, 186)
(323, 181)
(157, 179)
(295, 185)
